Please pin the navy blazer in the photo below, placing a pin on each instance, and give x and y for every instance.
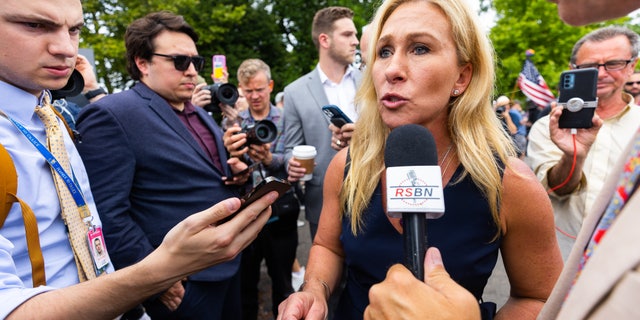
(148, 173)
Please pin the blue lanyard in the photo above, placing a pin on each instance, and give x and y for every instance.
(72, 185)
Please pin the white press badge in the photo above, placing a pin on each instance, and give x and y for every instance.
(98, 249)
(415, 189)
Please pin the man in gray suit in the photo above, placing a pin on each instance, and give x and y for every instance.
(333, 81)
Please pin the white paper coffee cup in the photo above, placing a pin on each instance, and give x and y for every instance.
(306, 156)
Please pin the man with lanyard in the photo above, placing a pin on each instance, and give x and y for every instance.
(38, 52)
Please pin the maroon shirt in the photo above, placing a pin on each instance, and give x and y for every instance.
(200, 132)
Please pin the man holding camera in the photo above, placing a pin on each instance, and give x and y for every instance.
(576, 184)
(255, 139)
(152, 156)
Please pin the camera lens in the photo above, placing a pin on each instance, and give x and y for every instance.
(225, 93)
(266, 131)
(263, 131)
(228, 94)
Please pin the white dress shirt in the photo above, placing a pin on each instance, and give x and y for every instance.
(341, 94)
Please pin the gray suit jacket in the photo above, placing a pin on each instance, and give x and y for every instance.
(609, 284)
(306, 124)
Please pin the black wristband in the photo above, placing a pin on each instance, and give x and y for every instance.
(94, 93)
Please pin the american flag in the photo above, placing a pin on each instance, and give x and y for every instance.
(532, 84)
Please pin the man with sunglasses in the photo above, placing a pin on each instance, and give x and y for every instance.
(613, 51)
(152, 156)
(632, 86)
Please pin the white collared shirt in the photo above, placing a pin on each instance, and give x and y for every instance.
(341, 94)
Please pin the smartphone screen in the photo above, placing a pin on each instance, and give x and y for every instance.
(578, 96)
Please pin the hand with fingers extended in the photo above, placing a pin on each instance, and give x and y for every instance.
(198, 242)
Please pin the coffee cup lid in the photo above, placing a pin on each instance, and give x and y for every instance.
(304, 151)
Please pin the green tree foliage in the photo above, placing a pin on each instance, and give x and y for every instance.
(278, 32)
(532, 24)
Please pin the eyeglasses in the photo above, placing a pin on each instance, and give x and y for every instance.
(630, 83)
(181, 63)
(612, 65)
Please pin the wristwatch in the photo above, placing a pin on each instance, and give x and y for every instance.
(94, 93)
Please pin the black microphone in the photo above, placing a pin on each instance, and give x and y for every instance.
(414, 188)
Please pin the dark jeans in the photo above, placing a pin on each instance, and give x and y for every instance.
(277, 245)
(202, 300)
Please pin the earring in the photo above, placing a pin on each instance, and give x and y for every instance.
(456, 92)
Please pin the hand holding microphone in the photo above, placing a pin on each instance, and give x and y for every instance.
(437, 298)
(413, 188)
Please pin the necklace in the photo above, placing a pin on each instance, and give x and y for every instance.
(444, 159)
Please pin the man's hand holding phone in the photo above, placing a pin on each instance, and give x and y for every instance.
(575, 112)
(240, 172)
(266, 186)
(340, 125)
(578, 95)
(341, 137)
(563, 139)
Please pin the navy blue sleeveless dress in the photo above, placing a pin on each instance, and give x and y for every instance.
(464, 236)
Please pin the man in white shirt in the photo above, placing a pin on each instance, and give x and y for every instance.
(613, 51)
(333, 81)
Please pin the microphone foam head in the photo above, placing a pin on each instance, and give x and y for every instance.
(410, 145)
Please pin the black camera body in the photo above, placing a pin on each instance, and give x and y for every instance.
(261, 132)
(221, 92)
(500, 110)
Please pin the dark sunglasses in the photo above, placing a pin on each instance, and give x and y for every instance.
(181, 63)
(630, 83)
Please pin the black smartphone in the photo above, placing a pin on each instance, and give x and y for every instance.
(578, 96)
(336, 116)
(251, 167)
(267, 185)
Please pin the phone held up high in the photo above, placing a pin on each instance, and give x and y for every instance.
(336, 116)
(578, 96)
(219, 65)
(265, 186)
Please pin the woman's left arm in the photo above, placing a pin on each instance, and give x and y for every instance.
(529, 247)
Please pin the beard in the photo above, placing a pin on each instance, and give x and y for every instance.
(343, 58)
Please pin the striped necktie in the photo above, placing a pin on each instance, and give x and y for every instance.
(77, 228)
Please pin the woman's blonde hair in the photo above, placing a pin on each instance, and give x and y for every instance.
(481, 142)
